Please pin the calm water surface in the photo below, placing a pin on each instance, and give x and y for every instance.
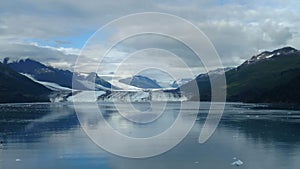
(49, 136)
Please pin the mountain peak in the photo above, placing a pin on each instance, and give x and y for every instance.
(141, 82)
(268, 54)
(285, 50)
(26, 65)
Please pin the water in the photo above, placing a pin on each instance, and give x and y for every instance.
(47, 136)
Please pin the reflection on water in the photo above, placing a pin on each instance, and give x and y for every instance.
(49, 136)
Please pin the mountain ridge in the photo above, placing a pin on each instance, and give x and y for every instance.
(141, 82)
(268, 77)
(262, 80)
(64, 78)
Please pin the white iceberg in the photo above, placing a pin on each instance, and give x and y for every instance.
(237, 162)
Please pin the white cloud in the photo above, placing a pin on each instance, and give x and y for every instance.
(47, 55)
(237, 28)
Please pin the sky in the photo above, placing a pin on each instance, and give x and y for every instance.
(55, 31)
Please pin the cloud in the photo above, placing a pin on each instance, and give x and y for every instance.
(237, 28)
(276, 33)
(234, 39)
(60, 57)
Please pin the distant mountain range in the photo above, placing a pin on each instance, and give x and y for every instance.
(141, 82)
(64, 78)
(271, 76)
(179, 82)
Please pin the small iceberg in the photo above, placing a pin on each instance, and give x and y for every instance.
(18, 160)
(237, 162)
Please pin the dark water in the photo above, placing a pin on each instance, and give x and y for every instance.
(48, 136)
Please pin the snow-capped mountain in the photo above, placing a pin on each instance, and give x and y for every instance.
(141, 82)
(41, 72)
(179, 82)
(62, 78)
(269, 77)
(268, 55)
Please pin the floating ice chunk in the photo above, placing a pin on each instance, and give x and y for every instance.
(196, 162)
(18, 160)
(237, 162)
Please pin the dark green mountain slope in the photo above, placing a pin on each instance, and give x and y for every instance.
(272, 79)
(267, 77)
(15, 87)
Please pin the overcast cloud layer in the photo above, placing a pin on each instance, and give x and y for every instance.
(53, 31)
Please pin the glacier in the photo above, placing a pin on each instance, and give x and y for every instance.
(85, 96)
(49, 85)
(120, 96)
(142, 96)
(64, 94)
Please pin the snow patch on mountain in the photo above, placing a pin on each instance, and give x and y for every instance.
(269, 56)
